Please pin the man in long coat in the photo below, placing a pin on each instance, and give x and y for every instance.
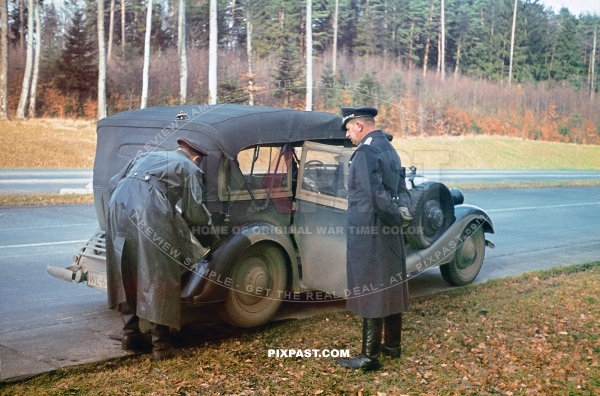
(376, 262)
(144, 243)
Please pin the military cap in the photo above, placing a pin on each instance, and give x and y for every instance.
(350, 113)
(193, 145)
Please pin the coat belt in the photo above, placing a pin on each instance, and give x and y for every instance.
(150, 179)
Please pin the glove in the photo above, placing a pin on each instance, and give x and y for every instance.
(405, 214)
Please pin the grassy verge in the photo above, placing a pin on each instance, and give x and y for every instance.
(44, 199)
(47, 143)
(534, 334)
(493, 152)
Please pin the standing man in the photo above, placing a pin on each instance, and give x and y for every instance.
(143, 241)
(376, 262)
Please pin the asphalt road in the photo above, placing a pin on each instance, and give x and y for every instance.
(47, 324)
(13, 181)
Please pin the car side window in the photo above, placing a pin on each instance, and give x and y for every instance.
(262, 170)
(324, 174)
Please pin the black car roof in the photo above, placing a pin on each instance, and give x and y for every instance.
(235, 127)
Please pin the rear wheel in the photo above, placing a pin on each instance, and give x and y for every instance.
(432, 211)
(258, 280)
(468, 259)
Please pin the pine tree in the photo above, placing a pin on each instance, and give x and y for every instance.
(78, 68)
(288, 72)
(567, 57)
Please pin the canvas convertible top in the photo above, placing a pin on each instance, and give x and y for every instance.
(235, 127)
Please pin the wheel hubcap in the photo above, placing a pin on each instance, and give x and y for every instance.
(468, 253)
(254, 282)
(434, 217)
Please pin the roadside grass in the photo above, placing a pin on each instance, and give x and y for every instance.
(62, 143)
(538, 333)
(493, 152)
(47, 143)
(44, 199)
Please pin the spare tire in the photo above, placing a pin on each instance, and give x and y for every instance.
(432, 211)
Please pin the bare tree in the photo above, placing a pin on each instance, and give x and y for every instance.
(111, 28)
(212, 54)
(146, 56)
(123, 25)
(4, 59)
(427, 42)
(443, 43)
(101, 62)
(28, 64)
(309, 56)
(593, 79)
(22, 24)
(512, 44)
(36, 62)
(335, 36)
(183, 71)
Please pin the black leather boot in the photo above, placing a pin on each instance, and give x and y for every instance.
(371, 345)
(161, 343)
(133, 339)
(392, 336)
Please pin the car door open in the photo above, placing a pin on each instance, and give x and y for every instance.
(320, 220)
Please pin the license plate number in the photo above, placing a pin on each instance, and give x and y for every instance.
(96, 280)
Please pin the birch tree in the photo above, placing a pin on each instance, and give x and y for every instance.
(4, 59)
(111, 28)
(123, 25)
(212, 54)
(335, 36)
(443, 42)
(183, 72)
(593, 66)
(28, 64)
(309, 56)
(146, 56)
(101, 62)
(512, 44)
(36, 62)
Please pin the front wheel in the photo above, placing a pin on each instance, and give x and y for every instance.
(468, 258)
(258, 282)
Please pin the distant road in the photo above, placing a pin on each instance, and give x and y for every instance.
(15, 181)
(23, 181)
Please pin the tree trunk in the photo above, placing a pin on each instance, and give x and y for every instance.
(101, 62)
(4, 59)
(443, 43)
(410, 48)
(111, 28)
(123, 25)
(146, 69)
(28, 62)
(22, 25)
(36, 62)
(212, 54)
(249, 57)
(427, 41)
(183, 72)
(593, 83)
(335, 37)
(458, 46)
(512, 44)
(309, 56)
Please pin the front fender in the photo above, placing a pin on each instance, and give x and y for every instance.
(442, 250)
(210, 283)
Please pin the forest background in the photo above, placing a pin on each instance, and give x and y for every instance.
(386, 53)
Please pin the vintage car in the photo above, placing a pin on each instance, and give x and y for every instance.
(276, 184)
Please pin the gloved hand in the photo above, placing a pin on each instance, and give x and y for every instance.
(405, 213)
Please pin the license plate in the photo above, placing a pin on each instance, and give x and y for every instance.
(96, 280)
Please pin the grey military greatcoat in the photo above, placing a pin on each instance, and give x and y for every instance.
(143, 246)
(376, 263)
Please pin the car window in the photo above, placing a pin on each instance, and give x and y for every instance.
(323, 175)
(262, 170)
